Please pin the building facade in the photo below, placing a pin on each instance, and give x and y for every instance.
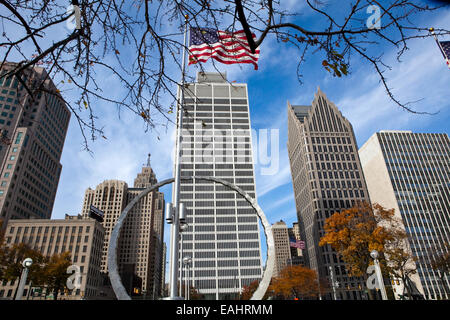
(140, 247)
(282, 248)
(327, 177)
(410, 172)
(83, 238)
(223, 237)
(32, 131)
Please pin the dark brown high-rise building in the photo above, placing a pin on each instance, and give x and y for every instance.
(32, 129)
(327, 177)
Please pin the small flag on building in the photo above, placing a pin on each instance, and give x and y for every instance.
(39, 62)
(225, 47)
(297, 244)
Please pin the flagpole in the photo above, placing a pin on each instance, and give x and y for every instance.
(440, 46)
(175, 227)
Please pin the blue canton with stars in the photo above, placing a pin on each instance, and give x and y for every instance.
(446, 47)
(203, 35)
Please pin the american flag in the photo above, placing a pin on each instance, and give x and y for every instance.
(39, 62)
(297, 244)
(225, 47)
(445, 48)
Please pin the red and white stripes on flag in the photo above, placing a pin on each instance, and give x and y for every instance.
(225, 47)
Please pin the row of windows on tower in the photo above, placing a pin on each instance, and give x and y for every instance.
(228, 263)
(221, 245)
(192, 116)
(219, 211)
(217, 204)
(220, 236)
(217, 109)
(233, 101)
(326, 141)
(227, 254)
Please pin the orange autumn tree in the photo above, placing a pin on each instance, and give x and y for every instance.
(296, 282)
(354, 232)
(247, 291)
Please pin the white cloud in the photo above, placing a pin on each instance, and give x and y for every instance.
(421, 75)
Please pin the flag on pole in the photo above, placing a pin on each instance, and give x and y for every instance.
(445, 49)
(444, 46)
(225, 47)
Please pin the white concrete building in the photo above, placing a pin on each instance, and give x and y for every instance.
(410, 172)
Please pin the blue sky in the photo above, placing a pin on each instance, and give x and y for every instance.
(422, 74)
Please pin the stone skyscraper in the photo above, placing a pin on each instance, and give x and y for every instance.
(283, 256)
(140, 247)
(32, 134)
(410, 172)
(223, 237)
(327, 177)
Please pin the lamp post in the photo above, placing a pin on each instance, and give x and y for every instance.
(176, 213)
(183, 227)
(187, 261)
(374, 255)
(334, 284)
(23, 278)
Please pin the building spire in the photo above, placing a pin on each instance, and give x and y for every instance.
(148, 160)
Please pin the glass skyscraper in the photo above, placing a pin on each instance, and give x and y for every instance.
(410, 172)
(223, 237)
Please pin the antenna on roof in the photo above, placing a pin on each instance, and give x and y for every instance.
(148, 160)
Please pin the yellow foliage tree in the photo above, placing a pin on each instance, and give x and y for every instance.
(56, 273)
(353, 233)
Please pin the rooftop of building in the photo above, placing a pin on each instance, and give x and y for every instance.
(279, 224)
(396, 131)
(67, 219)
(211, 76)
(301, 111)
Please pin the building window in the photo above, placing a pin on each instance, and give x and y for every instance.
(19, 136)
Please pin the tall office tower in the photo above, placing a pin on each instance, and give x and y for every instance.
(33, 130)
(296, 252)
(281, 245)
(223, 237)
(140, 246)
(327, 177)
(410, 172)
(83, 238)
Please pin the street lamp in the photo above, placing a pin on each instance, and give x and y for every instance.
(183, 228)
(187, 261)
(374, 254)
(334, 284)
(23, 278)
